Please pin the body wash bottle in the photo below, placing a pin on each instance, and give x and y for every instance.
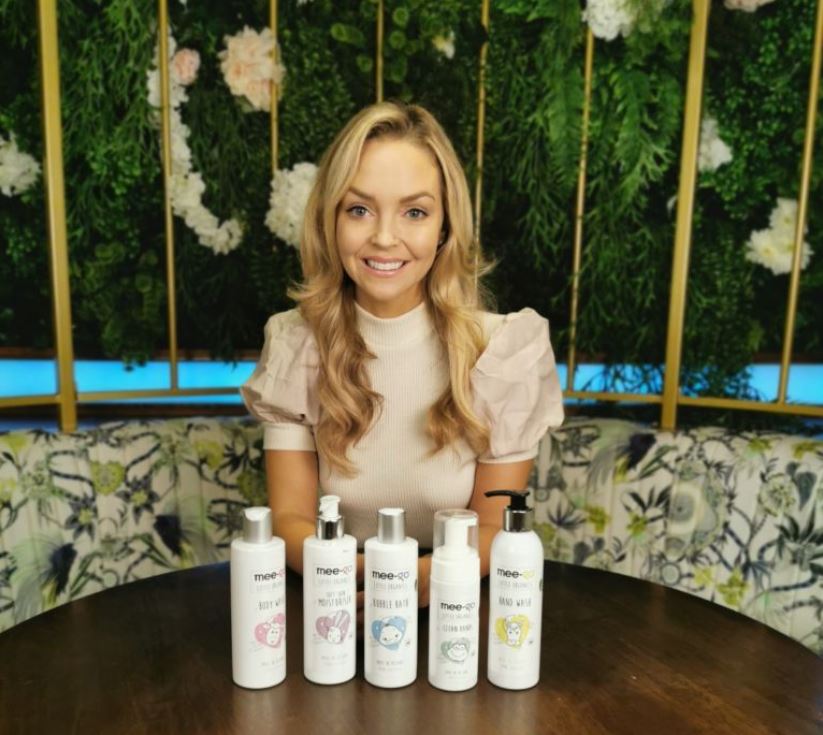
(329, 598)
(515, 597)
(257, 567)
(454, 613)
(390, 638)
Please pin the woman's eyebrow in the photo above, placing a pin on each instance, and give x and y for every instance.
(370, 198)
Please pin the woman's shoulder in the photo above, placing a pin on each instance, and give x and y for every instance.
(287, 324)
(512, 330)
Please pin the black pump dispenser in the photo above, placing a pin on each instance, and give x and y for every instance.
(518, 517)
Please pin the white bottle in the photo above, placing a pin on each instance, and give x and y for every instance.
(329, 599)
(257, 567)
(390, 638)
(515, 597)
(454, 614)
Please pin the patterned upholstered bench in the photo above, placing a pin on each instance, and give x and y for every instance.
(90, 510)
(731, 517)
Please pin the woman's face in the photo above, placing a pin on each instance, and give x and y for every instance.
(389, 223)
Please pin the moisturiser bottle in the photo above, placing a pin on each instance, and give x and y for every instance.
(454, 614)
(515, 597)
(257, 566)
(329, 598)
(390, 638)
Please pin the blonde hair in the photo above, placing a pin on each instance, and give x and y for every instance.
(349, 406)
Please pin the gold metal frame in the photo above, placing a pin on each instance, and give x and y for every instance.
(66, 397)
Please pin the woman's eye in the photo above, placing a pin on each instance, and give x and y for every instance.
(417, 213)
(358, 210)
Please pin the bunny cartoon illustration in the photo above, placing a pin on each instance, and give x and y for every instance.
(335, 627)
(271, 632)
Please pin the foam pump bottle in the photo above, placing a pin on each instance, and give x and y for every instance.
(454, 614)
(515, 597)
(329, 598)
(257, 568)
(390, 636)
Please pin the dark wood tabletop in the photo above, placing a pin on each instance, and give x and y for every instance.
(619, 656)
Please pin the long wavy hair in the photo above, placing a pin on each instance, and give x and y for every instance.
(453, 292)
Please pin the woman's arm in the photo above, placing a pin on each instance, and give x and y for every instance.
(504, 476)
(291, 480)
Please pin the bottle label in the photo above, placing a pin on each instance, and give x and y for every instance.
(390, 634)
(456, 628)
(266, 631)
(332, 625)
(516, 599)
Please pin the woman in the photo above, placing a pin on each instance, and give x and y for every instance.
(390, 385)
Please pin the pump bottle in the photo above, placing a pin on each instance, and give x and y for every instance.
(454, 600)
(390, 636)
(515, 597)
(329, 598)
(257, 568)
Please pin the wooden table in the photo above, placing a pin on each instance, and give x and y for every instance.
(619, 656)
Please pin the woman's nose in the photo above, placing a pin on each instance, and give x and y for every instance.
(384, 236)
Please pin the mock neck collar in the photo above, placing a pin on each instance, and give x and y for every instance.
(395, 331)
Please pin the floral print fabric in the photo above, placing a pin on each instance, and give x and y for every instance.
(86, 511)
(729, 516)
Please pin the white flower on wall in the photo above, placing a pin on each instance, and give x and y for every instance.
(609, 19)
(713, 151)
(773, 248)
(249, 67)
(18, 170)
(187, 187)
(748, 6)
(289, 194)
(444, 43)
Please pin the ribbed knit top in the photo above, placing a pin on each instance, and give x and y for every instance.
(515, 388)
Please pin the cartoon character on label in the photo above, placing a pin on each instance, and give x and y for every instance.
(456, 650)
(271, 632)
(389, 632)
(333, 628)
(512, 630)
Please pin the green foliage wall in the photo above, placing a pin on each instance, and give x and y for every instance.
(757, 84)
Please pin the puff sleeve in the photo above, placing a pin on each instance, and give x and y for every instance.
(281, 391)
(516, 387)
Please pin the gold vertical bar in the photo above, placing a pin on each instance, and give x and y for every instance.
(378, 66)
(275, 90)
(580, 208)
(56, 212)
(165, 118)
(685, 210)
(481, 119)
(802, 207)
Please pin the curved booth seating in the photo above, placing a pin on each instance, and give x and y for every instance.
(729, 516)
(735, 517)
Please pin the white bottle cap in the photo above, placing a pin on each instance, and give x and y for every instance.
(257, 525)
(456, 532)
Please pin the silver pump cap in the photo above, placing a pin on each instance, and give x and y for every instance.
(391, 525)
(257, 525)
(329, 520)
(518, 520)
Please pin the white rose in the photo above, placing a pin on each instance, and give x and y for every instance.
(18, 170)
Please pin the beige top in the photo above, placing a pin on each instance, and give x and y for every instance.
(515, 388)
